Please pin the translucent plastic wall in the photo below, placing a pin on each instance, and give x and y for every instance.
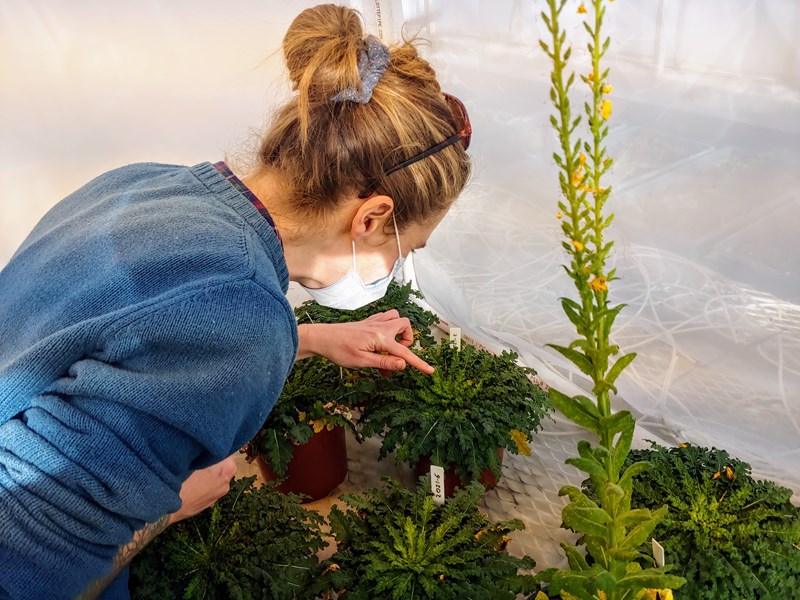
(705, 133)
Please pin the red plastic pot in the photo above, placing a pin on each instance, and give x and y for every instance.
(452, 481)
(316, 467)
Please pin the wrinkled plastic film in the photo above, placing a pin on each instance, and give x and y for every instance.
(705, 134)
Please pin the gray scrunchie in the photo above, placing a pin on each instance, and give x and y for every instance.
(372, 62)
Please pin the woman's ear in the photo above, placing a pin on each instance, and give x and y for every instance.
(371, 216)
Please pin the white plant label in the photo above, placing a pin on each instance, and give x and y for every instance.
(437, 484)
(455, 337)
(658, 553)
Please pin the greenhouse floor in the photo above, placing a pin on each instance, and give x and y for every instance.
(528, 489)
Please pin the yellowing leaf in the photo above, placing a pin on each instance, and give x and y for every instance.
(521, 441)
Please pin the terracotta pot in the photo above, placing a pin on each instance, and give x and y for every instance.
(452, 481)
(316, 467)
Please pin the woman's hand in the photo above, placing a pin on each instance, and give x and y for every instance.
(382, 341)
(203, 488)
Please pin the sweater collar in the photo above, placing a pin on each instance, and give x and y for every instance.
(219, 179)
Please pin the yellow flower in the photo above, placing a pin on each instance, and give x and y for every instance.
(683, 445)
(715, 475)
(582, 158)
(578, 246)
(598, 284)
(317, 426)
(521, 440)
(652, 594)
(441, 577)
(607, 88)
(577, 177)
(729, 473)
(559, 215)
(605, 109)
(582, 9)
(301, 416)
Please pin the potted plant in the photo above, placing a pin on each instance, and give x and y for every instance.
(475, 405)
(302, 442)
(729, 535)
(253, 544)
(395, 543)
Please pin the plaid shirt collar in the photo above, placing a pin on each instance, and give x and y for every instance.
(247, 193)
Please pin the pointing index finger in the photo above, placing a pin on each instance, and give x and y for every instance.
(412, 359)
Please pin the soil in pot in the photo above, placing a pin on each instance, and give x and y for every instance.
(451, 480)
(316, 468)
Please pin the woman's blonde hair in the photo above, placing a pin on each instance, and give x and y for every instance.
(328, 150)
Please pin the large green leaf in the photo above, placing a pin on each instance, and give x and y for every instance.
(617, 422)
(632, 471)
(578, 409)
(577, 496)
(623, 445)
(633, 517)
(577, 561)
(621, 363)
(591, 466)
(591, 521)
(650, 579)
(628, 555)
(639, 534)
(581, 360)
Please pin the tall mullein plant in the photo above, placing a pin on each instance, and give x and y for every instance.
(610, 530)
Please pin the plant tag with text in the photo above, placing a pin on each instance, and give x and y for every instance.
(658, 553)
(455, 337)
(437, 484)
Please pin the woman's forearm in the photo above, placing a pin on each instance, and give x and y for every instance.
(304, 335)
(124, 556)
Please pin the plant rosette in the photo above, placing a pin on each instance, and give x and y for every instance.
(253, 544)
(398, 297)
(729, 535)
(396, 543)
(315, 400)
(475, 403)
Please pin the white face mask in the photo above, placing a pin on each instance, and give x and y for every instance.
(350, 292)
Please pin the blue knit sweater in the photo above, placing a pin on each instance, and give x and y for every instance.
(144, 333)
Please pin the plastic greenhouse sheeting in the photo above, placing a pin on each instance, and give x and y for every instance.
(705, 134)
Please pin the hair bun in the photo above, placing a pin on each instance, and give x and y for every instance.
(321, 48)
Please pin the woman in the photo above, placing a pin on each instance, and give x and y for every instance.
(144, 329)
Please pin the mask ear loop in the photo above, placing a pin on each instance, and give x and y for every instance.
(397, 235)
